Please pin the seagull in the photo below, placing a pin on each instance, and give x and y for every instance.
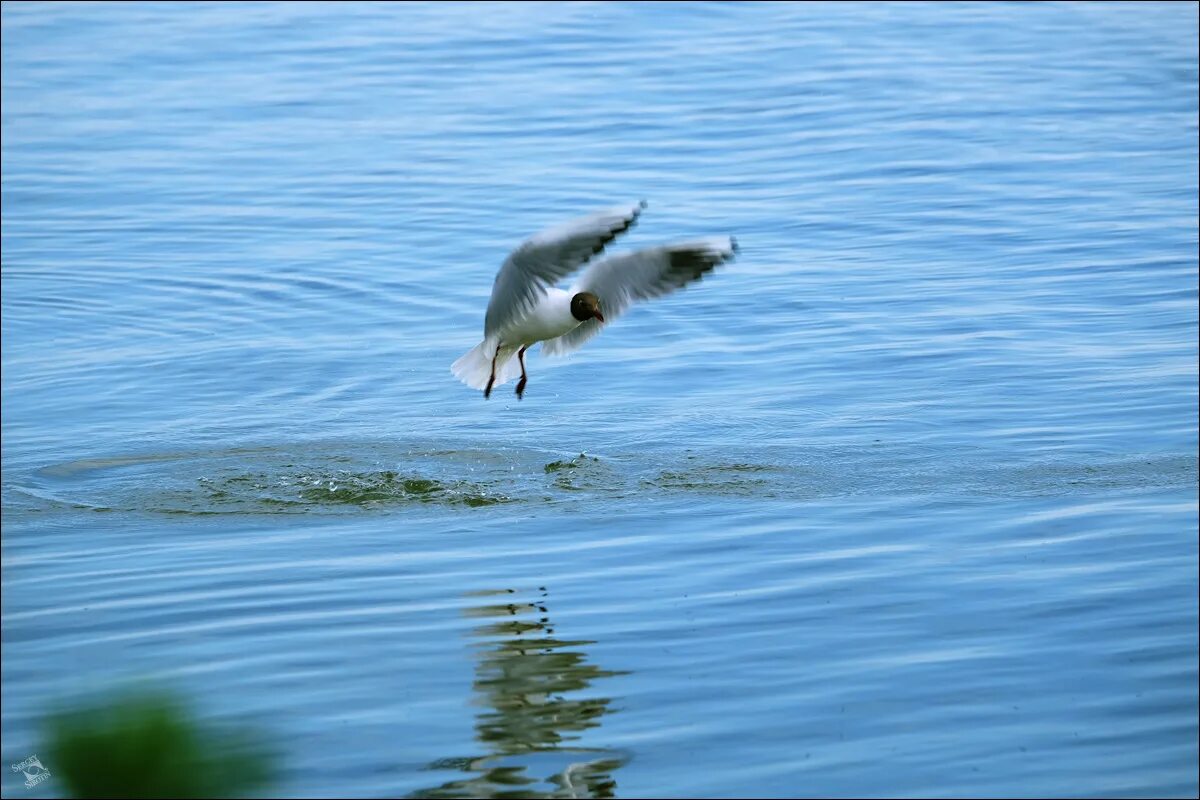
(526, 307)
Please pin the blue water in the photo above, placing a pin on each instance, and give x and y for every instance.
(901, 502)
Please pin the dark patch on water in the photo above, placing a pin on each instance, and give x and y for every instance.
(341, 478)
(351, 488)
(1055, 478)
(584, 473)
(722, 479)
(574, 463)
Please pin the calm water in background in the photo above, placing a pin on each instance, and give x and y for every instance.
(904, 501)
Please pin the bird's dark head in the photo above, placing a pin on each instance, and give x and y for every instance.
(585, 306)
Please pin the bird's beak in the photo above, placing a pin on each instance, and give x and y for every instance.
(598, 315)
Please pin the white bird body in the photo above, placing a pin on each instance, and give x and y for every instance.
(526, 307)
(549, 319)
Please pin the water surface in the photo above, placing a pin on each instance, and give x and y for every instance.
(901, 502)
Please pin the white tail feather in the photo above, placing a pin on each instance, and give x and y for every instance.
(475, 366)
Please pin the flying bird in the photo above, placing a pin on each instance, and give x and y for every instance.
(527, 308)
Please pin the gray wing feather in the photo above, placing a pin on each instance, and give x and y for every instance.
(622, 280)
(544, 259)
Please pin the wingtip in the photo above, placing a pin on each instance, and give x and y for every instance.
(641, 204)
(733, 245)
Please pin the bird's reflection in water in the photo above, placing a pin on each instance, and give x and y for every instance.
(531, 685)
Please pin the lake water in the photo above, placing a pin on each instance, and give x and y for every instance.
(903, 501)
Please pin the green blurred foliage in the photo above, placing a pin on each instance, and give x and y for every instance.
(150, 744)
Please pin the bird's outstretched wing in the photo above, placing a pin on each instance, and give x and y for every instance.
(549, 257)
(621, 280)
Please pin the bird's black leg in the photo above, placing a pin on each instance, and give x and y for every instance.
(524, 377)
(488, 391)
